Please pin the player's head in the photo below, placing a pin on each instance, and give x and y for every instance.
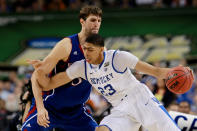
(93, 49)
(184, 107)
(173, 106)
(90, 19)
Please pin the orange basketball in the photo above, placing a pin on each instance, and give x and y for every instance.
(179, 80)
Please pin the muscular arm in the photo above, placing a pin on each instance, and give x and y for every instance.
(27, 107)
(146, 68)
(60, 52)
(37, 91)
(76, 70)
(123, 59)
(56, 81)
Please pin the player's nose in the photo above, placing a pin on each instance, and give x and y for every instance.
(96, 23)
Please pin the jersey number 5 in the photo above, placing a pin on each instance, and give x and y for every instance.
(107, 90)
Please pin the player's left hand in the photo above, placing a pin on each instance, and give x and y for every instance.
(191, 72)
(42, 117)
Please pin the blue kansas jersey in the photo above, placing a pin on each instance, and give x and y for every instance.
(74, 93)
(65, 104)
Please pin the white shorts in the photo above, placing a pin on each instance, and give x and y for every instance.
(146, 111)
(119, 121)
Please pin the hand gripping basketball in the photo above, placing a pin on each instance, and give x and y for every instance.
(179, 79)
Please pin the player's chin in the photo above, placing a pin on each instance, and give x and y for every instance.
(94, 31)
(88, 60)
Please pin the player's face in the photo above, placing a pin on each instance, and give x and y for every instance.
(93, 54)
(92, 24)
(184, 107)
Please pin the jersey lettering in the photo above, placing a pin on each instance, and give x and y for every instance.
(102, 80)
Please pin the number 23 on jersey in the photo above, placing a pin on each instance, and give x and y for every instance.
(107, 90)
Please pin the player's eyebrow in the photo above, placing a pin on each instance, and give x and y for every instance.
(91, 47)
(88, 47)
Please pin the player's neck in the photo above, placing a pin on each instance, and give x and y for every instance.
(100, 59)
(82, 37)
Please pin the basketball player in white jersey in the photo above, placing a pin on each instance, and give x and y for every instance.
(109, 73)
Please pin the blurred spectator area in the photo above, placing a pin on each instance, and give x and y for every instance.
(62, 5)
(171, 25)
(153, 48)
(149, 48)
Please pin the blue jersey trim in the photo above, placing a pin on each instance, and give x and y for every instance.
(106, 126)
(113, 64)
(90, 66)
(101, 62)
(162, 107)
(26, 121)
(85, 70)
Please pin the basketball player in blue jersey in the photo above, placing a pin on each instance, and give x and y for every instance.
(63, 107)
(108, 72)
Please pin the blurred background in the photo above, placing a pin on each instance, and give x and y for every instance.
(161, 32)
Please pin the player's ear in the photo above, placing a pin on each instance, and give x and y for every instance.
(102, 49)
(82, 21)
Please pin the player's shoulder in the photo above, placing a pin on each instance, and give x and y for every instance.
(66, 40)
(80, 61)
(114, 52)
(118, 53)
(110, 51)
(121, 52)
(64, 44)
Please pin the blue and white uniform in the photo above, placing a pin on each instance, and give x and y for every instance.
(65, 104)
(133, 104)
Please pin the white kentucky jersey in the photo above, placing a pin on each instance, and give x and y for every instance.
(133, 103)
(112, 84)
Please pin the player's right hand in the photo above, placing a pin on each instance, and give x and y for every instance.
(43, 117)
(34, 63)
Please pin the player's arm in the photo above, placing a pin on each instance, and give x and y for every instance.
(56, 81)
(76, 70)
(60, 52)
(42, 114)
(124, 59)
(146, 68)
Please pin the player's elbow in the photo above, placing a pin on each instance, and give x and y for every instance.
(41, 78)
(46, 88)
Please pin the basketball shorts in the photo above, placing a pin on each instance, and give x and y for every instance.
(137, 110)
(79, 121)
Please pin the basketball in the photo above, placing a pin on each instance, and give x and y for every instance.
(179, 80)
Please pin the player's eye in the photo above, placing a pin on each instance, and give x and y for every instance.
(93, 20)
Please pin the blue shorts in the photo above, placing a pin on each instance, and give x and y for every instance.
(70, 119)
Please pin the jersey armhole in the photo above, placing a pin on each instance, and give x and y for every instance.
(113, 64)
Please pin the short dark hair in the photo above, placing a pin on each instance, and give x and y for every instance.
(95, 39)
(88, 10)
